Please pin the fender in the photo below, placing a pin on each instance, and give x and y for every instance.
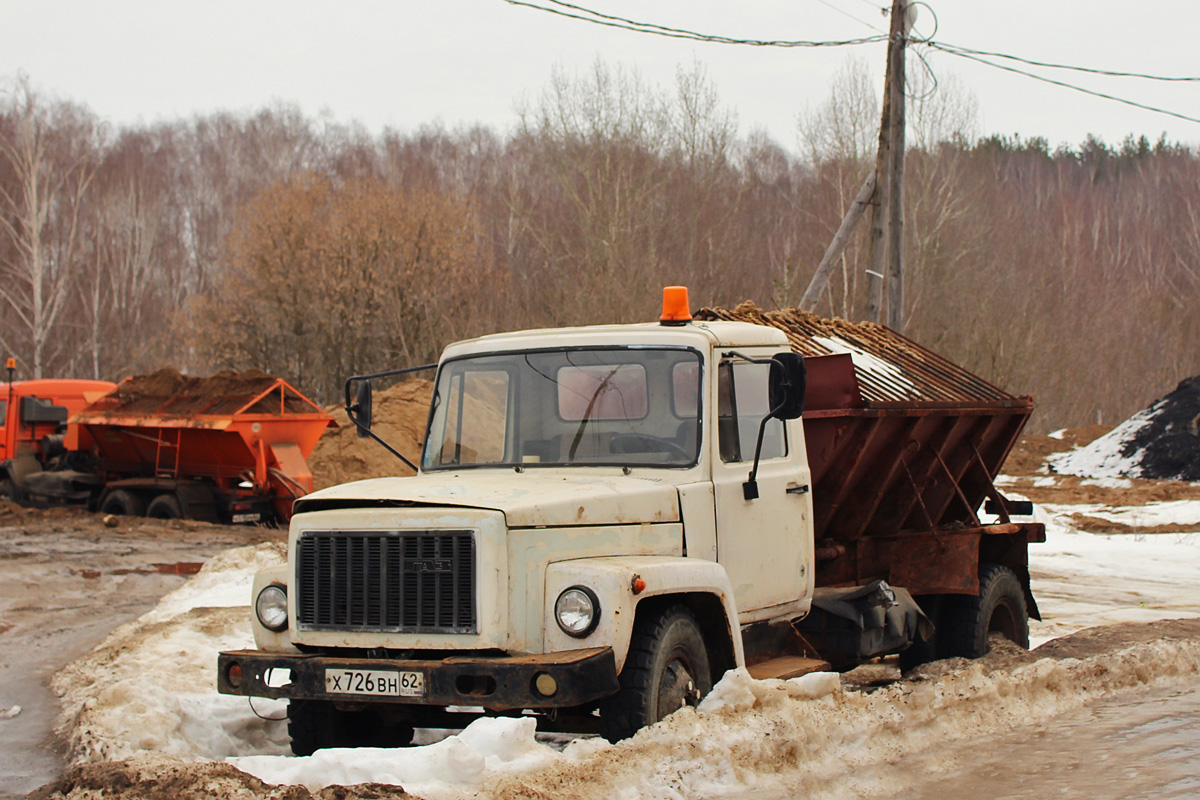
(611, 579)
(267, 640)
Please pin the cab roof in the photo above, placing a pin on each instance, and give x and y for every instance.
(700, 335)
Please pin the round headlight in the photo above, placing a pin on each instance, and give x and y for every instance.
(271, 607)
(577, 611)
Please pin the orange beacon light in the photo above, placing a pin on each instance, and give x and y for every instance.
(675, 308)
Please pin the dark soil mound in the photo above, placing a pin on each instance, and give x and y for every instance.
(1170, 444)
(1160, 442)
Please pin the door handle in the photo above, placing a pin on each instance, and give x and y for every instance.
(797, 488)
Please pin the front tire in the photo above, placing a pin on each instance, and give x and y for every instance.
(998, 608)
(666, 669)
(318, 724)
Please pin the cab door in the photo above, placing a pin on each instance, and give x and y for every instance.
(765, 544)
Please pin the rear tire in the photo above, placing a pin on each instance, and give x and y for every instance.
(666, 669)
(124, 503)
(318, 725)
(998, 608)
(165, 506)
(8, 492)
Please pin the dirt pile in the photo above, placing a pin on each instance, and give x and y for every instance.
(1160, 442)
(399, 414)
(154, 779)
(167, 391)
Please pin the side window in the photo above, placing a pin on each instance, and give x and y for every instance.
(478, 406)
(3, 412)
(741, 404)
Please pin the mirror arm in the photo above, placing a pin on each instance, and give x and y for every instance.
(374, 436)
(750, 487)
(352, 409)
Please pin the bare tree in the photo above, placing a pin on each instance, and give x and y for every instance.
(51, 150)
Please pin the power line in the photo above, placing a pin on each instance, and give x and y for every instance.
(623, 23)
(1063, 84)
(848, 15)
(576, 12)
(960, 50)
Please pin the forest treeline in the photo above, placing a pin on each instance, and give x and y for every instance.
(314, 249)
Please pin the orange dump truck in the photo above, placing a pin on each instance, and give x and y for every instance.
(229, 448)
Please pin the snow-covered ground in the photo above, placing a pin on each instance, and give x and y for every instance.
(150, 688)
(1081, 580)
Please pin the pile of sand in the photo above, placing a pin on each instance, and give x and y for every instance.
(399, 415)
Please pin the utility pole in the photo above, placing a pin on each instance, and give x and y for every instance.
(883, 192)
(898, 40)
(887, 214)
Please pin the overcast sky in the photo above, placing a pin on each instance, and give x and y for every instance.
(406, 63)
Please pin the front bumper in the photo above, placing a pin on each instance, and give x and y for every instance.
(493, 682)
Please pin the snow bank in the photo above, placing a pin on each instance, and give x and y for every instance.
(150, 686)
(486, 750)
(780, 738)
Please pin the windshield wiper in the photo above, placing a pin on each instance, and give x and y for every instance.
(587, 414)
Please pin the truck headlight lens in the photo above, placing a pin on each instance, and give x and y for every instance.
(577, 611)
(271, 607)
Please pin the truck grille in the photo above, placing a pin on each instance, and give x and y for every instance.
(398, 581)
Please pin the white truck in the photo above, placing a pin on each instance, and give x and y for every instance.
(605, 519)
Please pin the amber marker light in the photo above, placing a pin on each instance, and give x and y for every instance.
(638, 585)
(234, 675)
(675, 307)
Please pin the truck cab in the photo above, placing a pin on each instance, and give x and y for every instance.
(605, 519)
(35, 435)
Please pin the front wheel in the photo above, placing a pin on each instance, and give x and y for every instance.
(667, 668)
(318, 724)
(998, 608)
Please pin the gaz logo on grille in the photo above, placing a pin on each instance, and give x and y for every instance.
(428, 565)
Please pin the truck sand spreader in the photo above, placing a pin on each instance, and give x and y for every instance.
(608, 518)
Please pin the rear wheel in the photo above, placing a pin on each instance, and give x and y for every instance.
(667, 668)
(8, 493)
(165, 506)
(998, 608)
(123, 503)
(318, 725)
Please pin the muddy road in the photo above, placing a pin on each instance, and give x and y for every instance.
(66, 580)
(1144, 745)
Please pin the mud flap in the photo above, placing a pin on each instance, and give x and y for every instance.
(861, 622)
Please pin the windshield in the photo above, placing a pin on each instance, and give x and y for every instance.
(595, 406)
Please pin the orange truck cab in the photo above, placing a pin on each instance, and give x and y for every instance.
(36, 441)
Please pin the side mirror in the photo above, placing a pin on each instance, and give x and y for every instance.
(361, 410)
(785, 392)
(788, 382)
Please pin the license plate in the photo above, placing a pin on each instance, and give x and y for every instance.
(246, 518)
(377, 682)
